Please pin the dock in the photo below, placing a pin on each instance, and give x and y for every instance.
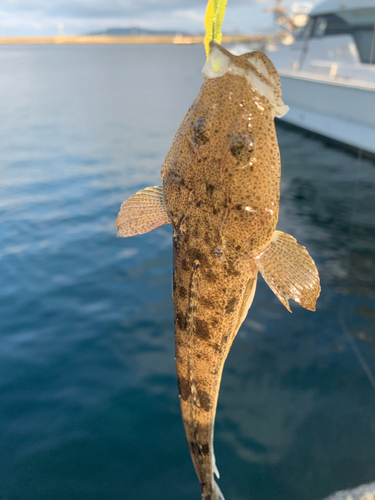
(128, 40)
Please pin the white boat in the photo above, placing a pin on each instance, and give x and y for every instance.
(328, 73)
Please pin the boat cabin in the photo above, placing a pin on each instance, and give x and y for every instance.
(355, 19)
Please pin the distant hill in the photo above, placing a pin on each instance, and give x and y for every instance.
(135, 31)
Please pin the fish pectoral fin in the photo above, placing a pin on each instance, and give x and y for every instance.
(142, 212)
(289, 271)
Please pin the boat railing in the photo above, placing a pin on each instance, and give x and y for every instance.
(327, 68)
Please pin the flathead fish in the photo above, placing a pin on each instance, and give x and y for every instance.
(221, 190)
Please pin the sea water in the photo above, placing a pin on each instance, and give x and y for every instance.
(89, 405)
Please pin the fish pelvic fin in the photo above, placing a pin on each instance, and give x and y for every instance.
(216, 470)
(142, 212)
(289, 271)
(247, 298)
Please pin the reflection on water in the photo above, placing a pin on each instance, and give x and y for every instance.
(88, 391)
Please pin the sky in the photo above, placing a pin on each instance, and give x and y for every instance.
(49, 17)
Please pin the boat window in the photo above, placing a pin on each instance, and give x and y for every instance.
(331, 24)
(336, 25)
(320, 26)
(365, 40)
(307, 30)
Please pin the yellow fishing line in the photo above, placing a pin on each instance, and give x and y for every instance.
(215, 12)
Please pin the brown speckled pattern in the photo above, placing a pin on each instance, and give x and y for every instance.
(223, 203)
(208, 182)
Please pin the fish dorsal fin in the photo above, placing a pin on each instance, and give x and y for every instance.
(254, 66)
(142, 212)
(289, 271)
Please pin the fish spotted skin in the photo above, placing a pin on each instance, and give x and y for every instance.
(207, 192)
(221, 189)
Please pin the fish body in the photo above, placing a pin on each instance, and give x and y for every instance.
(221, 189)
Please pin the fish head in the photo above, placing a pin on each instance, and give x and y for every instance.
(254, 66)
(221, 176)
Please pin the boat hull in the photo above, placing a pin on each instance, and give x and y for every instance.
(335, 109)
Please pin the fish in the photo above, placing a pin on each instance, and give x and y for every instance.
(220, 193)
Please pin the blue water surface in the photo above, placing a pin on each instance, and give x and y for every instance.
(89, 404)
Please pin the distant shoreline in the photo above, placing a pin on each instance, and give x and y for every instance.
(128, 39)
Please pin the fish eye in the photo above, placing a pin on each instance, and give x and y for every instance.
(243, 145)
(201, 131)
